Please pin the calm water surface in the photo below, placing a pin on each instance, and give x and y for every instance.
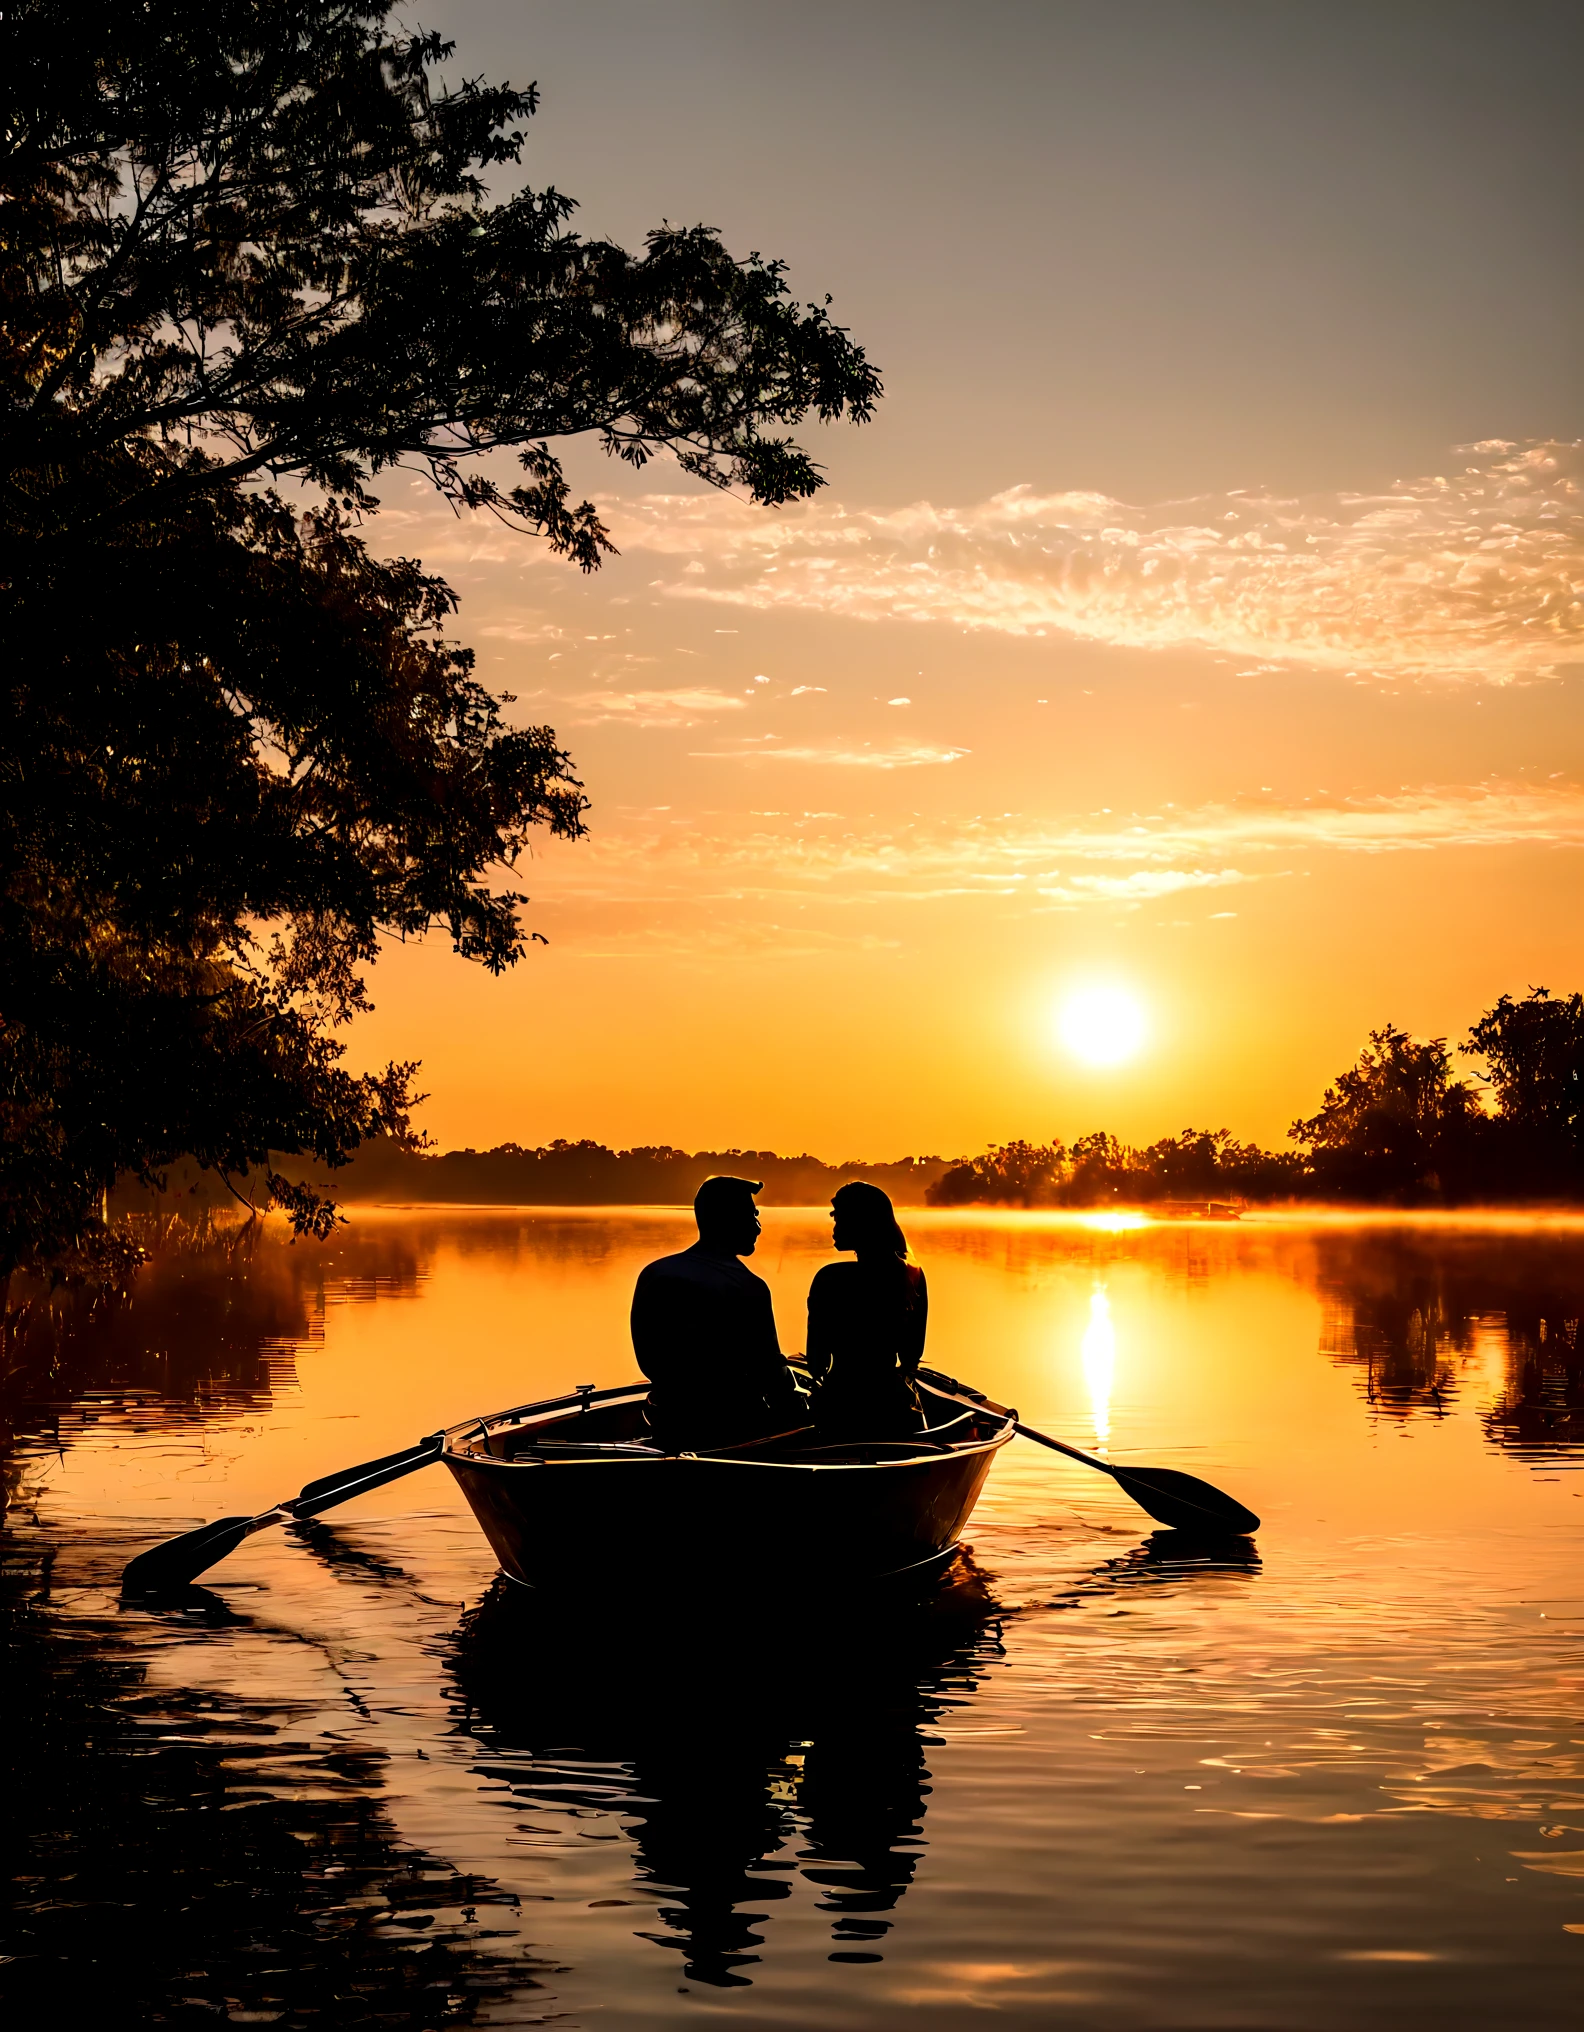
(1102, 1779)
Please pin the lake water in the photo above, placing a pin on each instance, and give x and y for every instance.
(1101, 1779)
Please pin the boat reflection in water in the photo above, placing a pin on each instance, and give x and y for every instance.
(741, 1757)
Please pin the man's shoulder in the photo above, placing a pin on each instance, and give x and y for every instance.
(699, 1266)
(664, 1268)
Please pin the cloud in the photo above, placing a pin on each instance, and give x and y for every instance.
(1110, 861)
(795, 883)
(843, 755)
(1477, 573)
(524, 632)
(1143, 886)
(683, 707)
(1409, 821)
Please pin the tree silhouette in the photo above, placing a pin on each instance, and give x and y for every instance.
(1211, 1164)
(1396, 1125)
(1010, 1174)
(248, 263)
(1535, 1051)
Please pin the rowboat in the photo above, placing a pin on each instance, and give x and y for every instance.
(572, 1492)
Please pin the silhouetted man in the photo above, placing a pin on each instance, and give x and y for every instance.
(704, 1332)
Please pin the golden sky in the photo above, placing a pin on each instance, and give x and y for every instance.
(1201, 616)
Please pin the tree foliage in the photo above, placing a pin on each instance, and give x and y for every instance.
(1534, 1049)
(248, 263)
(1211, 1164)
(1008, 1174)
(1397, 1125)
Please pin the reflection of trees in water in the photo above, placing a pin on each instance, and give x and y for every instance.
(212, 1323)
(1540, 1412)
(174, 1858)
(739, 1758)
(1413, 1310)
(559, 1236)
(1406, 1349)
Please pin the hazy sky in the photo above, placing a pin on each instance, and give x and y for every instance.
(1201, 614)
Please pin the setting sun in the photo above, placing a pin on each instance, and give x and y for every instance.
(1102, 1026)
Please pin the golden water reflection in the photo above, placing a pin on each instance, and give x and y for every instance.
(1099, 1364)
(1108, 1770)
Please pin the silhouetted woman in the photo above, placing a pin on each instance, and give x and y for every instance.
(866, 1324)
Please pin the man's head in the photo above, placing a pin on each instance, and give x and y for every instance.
(727, 1218)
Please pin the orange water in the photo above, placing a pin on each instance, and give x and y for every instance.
(1111, 1781)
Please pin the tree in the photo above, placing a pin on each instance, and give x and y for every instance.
(1010, 1174)
(1206, 1164)
(248, 263)
(1396, 1126)
(1535, 1051)
(1097, 1170)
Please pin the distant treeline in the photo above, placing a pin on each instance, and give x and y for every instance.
(589, 1174)
(1199, 1166)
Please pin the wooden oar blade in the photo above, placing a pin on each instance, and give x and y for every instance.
(179, 1561)
(1186, 1503)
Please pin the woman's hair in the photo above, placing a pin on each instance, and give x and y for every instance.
(868, 1212)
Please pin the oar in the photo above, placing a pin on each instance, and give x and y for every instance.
(180, 1560)
(1171, 1497)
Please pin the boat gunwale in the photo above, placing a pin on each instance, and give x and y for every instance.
(943, 1386)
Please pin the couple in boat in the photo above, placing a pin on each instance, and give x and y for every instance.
(704, 1331)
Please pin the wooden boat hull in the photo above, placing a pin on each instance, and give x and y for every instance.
(557, 1517)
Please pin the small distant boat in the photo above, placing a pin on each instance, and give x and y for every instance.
(572, 1492)
(1197, 1210)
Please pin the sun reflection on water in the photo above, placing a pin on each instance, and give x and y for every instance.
(1099, 1363)
(1114, 1223)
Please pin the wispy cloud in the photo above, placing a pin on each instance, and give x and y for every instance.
(795, 883)
(1477, 572)
(1409, 821)
(1107, 860)
(683, 707)
(1144, 885)
(841, 754)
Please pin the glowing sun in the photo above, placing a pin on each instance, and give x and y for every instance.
(1102, 1026)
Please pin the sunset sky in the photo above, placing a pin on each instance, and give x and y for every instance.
(1200, 617)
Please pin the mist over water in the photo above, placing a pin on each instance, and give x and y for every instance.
(1104, 1777)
